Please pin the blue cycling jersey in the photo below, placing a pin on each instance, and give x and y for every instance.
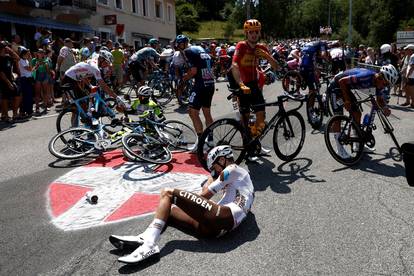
(197, 57)
(358, 78)
(309, 52)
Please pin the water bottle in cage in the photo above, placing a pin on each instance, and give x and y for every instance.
(366, 120)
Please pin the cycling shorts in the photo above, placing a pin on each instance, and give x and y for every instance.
(252, 99)
(77, 91)
(336, 95)
(309, 77)
(209, 214)
(201, 97)
(137, 70)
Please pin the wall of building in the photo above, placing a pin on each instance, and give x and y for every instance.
(137, 26)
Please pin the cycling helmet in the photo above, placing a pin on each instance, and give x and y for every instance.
(106, 55)
(145, 91)
(252, 25)
(385, 48)
(390, 73)
(217, 152)
(153, 41)
(181, 39)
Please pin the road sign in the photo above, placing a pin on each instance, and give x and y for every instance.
(125, 190)
(404, 38)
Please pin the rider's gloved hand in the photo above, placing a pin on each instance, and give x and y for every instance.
(244, 88)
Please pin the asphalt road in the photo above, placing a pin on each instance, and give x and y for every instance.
(310, 216)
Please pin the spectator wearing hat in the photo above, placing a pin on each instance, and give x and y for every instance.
(25, 82)
(8, 88)
(66, 58)
(117, 64)
(409, 87)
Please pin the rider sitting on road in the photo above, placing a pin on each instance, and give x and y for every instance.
(359, 78)
(196, 211)
(244, 73)
(144, 104)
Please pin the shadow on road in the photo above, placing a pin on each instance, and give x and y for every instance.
(60, 163)
(246, 232)
(375, 166)
(262, 174)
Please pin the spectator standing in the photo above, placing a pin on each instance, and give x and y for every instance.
(8, 88)
(370, 58)
(26, 83)
(117, 64)
(41, 68)
(410, 75)
(86, 51)
(66, 58)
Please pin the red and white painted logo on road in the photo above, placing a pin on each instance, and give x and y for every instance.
(125, 190)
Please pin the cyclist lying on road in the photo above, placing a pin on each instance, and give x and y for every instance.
(144, 103)
(359, 78)
(196, 211)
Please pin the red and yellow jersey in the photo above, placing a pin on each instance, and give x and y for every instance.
(246, 58)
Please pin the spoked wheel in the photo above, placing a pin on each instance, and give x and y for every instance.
(146, 148)
(222, 132)
(289, 135)
(162, 91)
(66, 119)
(73, 143)
(180, 135)
(344, 140)
(314, 110)
(291, 82)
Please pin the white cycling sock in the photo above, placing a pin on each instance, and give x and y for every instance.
(153, 232)
(338, 145)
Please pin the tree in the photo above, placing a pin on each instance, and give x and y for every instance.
(187, 17)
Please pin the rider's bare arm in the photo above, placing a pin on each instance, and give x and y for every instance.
(106, 88)
(190, 73)
(265, 55)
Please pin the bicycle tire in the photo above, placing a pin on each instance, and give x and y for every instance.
(146, 148)
(233, 135)
(288, 130)
(61, 119)
(181, 135)
(291, 78)
(162, 91)
(80, 150)
(314, 112)
(350, 137)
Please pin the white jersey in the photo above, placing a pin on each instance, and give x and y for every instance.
(238, 191)
(336, 53)
(178, 59)
(82, 70)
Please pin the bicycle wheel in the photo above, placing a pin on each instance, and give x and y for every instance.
(73, 143)
(162, 91)
(180, 135)
(66, 119)
(314, 110)
(146, 148)
(344, 140)
(289, 135)
(291, 82)
(222, 132)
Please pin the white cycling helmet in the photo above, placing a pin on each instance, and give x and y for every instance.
(390, 73)
(106, 55)
(217, 152)
(145, 91)
(385, 48)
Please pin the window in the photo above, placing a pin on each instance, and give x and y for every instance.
(134, 6)
(118, 4)
(144, 7)
(158, 9)
(103, 2)
(169, 13)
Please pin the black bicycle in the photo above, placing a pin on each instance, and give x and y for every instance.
(351, 136)
(288, 135)
(319, 104)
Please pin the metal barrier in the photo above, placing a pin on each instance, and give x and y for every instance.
(355, 63)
